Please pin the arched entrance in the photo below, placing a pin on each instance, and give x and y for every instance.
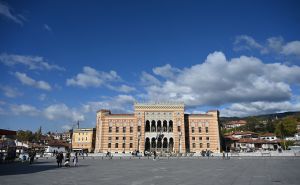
(165, 144)
(171, 144)
(153, 143)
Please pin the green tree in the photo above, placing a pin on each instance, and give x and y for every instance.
(252, 124)
(270, 126)
(286, 127)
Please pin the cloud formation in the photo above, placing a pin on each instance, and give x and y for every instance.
(32, 62)
(10, 92)
(26, 80)
(218, 81)
(90, 77)
(7, 12)
(272, 45)
(62, 112)
(24, 109)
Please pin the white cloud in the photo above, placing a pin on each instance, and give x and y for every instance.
(218, 81)
(32, 62)
(120, 103)
(123, 88)
(166, 71)
(24, 109)
(47, 27)
(62, 112)
(10, 92)
(7, 12)
(24, 79)
(291, 48)
(92, 78)
(259, 108)
(272, 45)
(148, 79)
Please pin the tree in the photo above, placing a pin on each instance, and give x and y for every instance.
(24, 135)
(270, 126)
(252, 124)
(286, 127)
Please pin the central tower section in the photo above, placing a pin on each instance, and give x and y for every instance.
(162, 126)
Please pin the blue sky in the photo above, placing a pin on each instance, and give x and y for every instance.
(60, 62)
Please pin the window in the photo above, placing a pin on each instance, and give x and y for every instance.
(79, 133)
(117, 129)
(130, 145)
(124, 138)
(109, 145)
(110, 129)
(131, 129)
(123, 145)
(124, 129)
(208, 145)
(117, 138)
(200, 138)
(193, 138)
(131, 138)
(207, 138)
(79, 139)
(109, 138)
(86, 138)
(178, 129)
(193, 129)
(201, 145)
(116, 145)
(199, 129)
(139, 128)
(206, 129)
(194, 145)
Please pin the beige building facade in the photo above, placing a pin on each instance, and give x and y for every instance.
(160, 127)
(83, 139)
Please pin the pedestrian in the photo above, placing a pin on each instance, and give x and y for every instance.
(75, 159)
(58, 159)
(31, 157)
(223, 155)
(154, 155)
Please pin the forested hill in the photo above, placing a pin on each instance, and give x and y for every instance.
(262, 117)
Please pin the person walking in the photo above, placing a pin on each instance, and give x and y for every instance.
(75, 159)
(58, 159)
(154, 154)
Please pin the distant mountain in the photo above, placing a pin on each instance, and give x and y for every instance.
(264, 116)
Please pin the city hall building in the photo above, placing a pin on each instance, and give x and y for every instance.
(160, 127)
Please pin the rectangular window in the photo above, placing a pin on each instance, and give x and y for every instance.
(193, 129)
(178, 129)
(207, 138)
(124, 129)
(199, 129)
(123, 145)
(139, 128)
(194, 145)
(131, 129)
(201, 145)
(206, 129)
(200, 138)
(117, 138)
(131, 138)
(109, 145)
(86, 138)
(79, 139)
(117, 129)
(130, 145)
(109, 138)
(208, 145)
(110, 129)
(79, 133)
(124, 138)
(116, 145)
(193, 138)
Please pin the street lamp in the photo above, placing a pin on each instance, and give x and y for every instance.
(179, 144)
(139, 138)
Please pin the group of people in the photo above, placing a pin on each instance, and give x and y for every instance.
(60, 158)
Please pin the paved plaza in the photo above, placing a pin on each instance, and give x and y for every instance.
(236, 171)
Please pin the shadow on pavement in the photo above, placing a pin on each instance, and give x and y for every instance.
(26, 168)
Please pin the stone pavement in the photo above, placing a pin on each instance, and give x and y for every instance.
(236, 171)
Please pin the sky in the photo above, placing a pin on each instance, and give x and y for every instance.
(60, 62)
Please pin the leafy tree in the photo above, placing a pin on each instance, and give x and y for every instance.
(252, 124)
(286, 127)
(270, 126)
(24, 135)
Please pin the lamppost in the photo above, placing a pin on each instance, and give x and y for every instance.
(179, 144)
(139, 138)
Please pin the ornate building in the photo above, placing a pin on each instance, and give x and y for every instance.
(162, 127)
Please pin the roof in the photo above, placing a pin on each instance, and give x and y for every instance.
(243, 133)
(83, 129)
(7, 132)
(260, 141)
(267, 135)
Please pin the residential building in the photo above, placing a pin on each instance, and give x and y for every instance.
(83, 139)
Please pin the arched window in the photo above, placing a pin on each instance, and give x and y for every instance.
(171, 144)
(153, 143)
(165, 126)
(147, 127)
(159, 126)
(153, 126)
(147, 144)
(165, 143)
(170, 126)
